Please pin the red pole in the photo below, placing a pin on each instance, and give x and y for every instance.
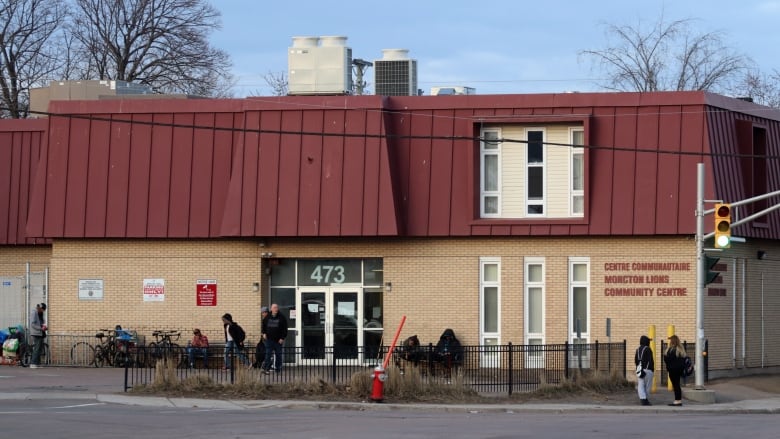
(379, 376)
(392, 345)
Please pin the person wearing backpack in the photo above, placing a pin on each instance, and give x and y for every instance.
(234, 341)
(273, 333)
(674, 357)
(645, 367)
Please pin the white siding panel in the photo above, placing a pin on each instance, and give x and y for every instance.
(512, 166)
(558, 172)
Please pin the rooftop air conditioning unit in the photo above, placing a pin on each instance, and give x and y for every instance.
(319, 66)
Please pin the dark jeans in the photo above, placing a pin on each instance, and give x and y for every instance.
(193, 353)
(674, 377)
(273, 350)
(36, 353)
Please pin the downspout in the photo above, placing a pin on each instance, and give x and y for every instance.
(734, 317)
(744, 339)
(762, 320)
(27, 298)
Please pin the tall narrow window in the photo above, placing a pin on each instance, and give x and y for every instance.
(579, 306)
(490, 310)
(490, 181)
(534, 310)
(577, 173)
(535, 176)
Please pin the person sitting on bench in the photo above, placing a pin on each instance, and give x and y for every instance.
(198, 347)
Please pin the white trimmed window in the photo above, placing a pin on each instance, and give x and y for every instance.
(577, 187)
(535, 175)
(534, 309)
(490, 166)
(490, 308)
(579, 306)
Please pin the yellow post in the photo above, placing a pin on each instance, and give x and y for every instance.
(651, 334)
(669, 333)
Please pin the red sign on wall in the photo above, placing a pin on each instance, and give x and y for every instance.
(206, 292)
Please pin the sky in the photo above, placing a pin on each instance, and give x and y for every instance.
(495, 46)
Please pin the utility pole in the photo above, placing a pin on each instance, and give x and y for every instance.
(360, 67)
(701, 269)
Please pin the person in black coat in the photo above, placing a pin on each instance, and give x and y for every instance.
(674, 357)
(645, 364)
(273, 333)
(449, 350)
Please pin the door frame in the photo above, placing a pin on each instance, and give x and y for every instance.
(330, 315)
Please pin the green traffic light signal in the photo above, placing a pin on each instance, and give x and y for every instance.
(709, 263)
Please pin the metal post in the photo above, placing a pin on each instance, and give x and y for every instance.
(511, 369)
(700, 276)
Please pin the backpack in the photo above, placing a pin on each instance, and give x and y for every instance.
(240, 334)
(687, 367)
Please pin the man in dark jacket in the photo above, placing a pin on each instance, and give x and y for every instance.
(274, 332)
(234, 343)
(645, 365)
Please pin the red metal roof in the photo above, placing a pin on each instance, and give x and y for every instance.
(21, 142)
(363, 165)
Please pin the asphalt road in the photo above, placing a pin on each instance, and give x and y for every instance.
(86, 419)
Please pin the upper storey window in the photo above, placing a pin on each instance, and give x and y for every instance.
(526, 173)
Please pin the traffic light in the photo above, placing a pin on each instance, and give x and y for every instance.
(709, 263)
(722, 225)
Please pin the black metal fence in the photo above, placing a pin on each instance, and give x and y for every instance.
(487, 369)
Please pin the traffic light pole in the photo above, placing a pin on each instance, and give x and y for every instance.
(700, 278)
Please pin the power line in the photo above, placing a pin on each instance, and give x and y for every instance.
(471, 139)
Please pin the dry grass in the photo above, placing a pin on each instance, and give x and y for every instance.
(411, 386)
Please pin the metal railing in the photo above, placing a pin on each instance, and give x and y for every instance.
(487, 369)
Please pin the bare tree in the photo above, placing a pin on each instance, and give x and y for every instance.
(278, 82)
(160, 43)
(760, 87)
(28, 34)
(669, 56)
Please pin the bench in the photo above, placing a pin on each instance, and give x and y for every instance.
(216, 356)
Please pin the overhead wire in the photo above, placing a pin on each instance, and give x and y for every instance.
(452, 138)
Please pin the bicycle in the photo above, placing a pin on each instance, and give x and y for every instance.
(164, 348)
(106, 352)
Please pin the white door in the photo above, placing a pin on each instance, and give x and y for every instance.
(328, 324)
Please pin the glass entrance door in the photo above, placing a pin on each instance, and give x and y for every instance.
(328, 323)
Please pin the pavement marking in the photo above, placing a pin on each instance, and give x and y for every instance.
(78, 405)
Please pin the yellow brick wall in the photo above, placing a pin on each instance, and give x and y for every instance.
(435, 284)
(13, 258)
(123, 265)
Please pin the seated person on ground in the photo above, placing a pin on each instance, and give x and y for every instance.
(410, 350)
(449, 350)
(198, 347)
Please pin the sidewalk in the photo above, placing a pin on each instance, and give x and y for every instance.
(105, 385)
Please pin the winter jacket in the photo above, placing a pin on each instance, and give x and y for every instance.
(275, 327)
(36, 323)
(674, 360)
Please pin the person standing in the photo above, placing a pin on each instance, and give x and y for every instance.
(274, 332)
(643, 359)
(674, 357)
(234, 340)
(38, 333)
(198, 347)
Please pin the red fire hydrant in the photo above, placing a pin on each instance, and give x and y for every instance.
(377, 389)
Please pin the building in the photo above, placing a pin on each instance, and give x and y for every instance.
(82, 90)
(508, 218)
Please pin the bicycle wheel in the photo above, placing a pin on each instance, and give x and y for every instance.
(110, 351)
(100, 355)
(152, 354)
(44, 353)
(121, 359)
(82, 354)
